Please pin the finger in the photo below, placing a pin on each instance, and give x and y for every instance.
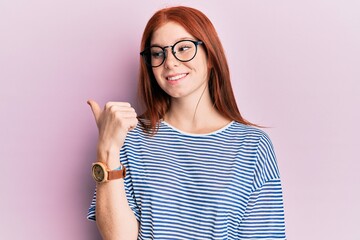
(133, 124)
(95, 108)
(127, 109)
(115, 108)
(124, 114)
(119, 104)
(130, 123)
(121, 111)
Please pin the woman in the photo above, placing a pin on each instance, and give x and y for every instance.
(195, 169)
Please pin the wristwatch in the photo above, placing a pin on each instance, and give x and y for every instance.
(101, 173)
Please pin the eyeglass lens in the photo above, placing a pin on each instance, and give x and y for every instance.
(183, 51)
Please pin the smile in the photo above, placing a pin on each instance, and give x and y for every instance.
(176, 77)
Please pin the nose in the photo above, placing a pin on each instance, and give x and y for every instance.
(170, 59)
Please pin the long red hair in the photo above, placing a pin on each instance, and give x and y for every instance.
(155, 100)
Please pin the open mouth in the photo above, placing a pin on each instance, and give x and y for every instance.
(176, 77)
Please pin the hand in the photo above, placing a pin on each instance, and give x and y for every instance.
(113, 124)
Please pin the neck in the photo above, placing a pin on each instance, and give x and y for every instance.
(195, 114)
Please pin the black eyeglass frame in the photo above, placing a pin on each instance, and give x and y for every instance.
(196, 43)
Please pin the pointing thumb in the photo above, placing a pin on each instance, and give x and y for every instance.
(95, 109)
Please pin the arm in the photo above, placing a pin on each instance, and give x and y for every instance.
(114, 217)
(264, 215)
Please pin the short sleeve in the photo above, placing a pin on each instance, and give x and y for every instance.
(91, 215)
(129, 188)
(266, 167)
(264, 215)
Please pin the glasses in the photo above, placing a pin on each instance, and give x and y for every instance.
(184, 51)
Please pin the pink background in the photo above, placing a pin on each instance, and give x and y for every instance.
(295, 68)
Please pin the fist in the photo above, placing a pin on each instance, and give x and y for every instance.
(113, 122)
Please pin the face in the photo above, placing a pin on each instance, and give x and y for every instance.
(180, 79)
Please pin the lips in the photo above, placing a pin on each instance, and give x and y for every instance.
(176, 77)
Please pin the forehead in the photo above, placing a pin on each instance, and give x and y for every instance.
(169, 33)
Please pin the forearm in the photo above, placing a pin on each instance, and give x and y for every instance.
(114, 217)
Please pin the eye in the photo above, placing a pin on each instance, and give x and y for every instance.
(157, 53)
(183, 48)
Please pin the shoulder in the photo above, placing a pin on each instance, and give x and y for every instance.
(256, 135)
(265, 168)
(250, 132)
(261, 145)
(140, 134)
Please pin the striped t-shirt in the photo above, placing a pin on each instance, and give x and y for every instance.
(221, 185)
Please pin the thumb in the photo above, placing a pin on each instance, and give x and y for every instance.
(95, 109)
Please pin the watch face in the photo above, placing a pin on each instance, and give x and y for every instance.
(98, 173)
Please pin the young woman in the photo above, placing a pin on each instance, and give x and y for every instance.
(195, 169)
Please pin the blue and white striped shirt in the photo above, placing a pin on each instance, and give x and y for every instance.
(221, 185)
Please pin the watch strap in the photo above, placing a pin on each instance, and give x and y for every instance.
(117, 173)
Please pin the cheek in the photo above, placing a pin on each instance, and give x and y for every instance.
(202, 69)
(157, 74)
(202, 65)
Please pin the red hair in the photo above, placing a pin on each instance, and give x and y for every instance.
(155, 100)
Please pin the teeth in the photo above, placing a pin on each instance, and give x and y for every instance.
(176, 77)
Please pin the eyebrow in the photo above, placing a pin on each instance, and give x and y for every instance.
(177, 40)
